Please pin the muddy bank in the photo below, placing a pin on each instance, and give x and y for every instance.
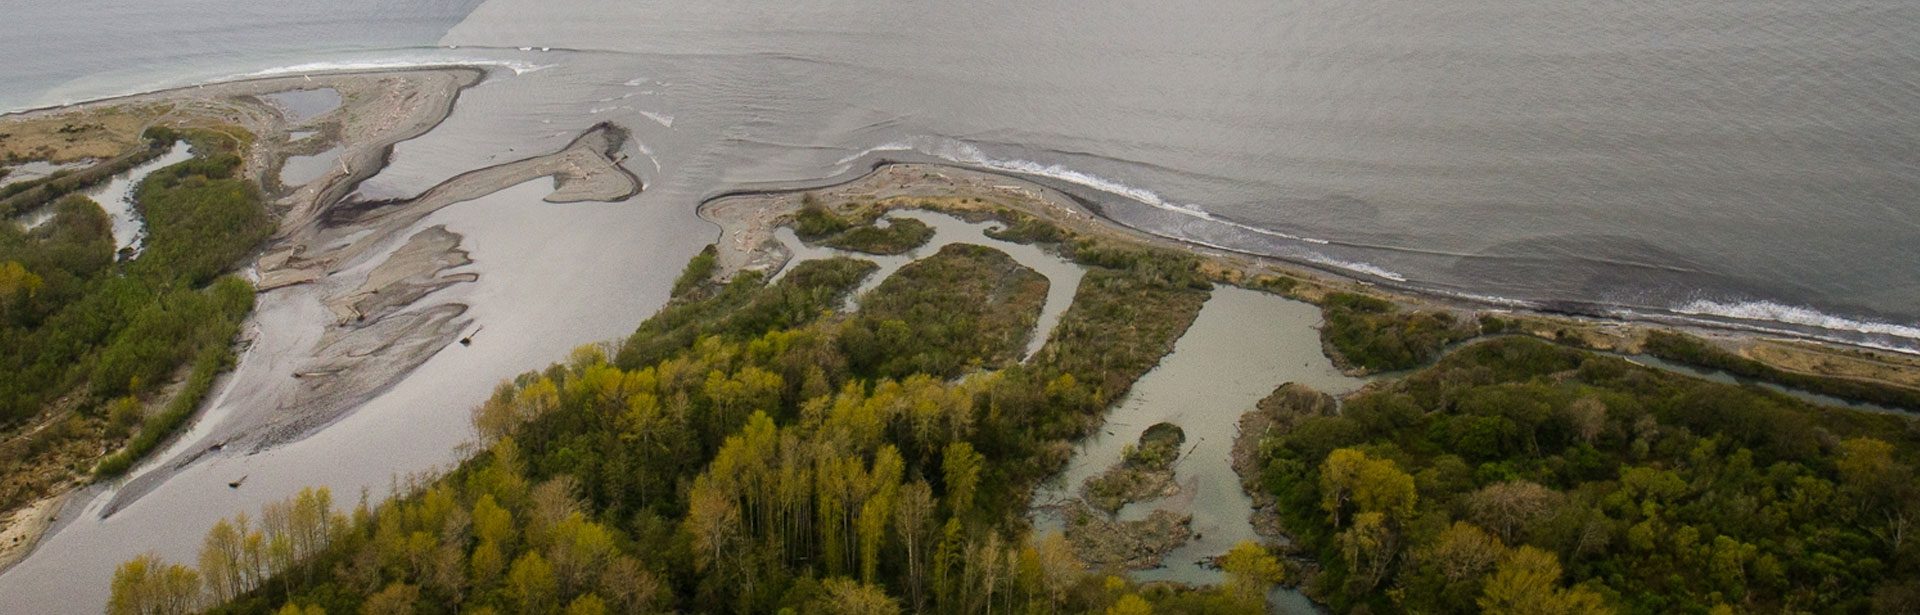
(1106, 543)
(1276, 413)
(376, 289)
(1144, 472)
(375, 109)
(21, 528)
(372, 111)
(364, 264)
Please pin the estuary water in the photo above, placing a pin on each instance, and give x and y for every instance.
(1753, 163)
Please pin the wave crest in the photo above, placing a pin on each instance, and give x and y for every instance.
(1795, 315)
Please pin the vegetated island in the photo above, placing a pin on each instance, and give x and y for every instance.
(756, 447)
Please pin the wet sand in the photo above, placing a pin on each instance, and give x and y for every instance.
(350, 376)
(376, 110)
(22, 528)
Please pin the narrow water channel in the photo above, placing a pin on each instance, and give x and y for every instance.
(116, 197)
(1063, 276)
(1243, 345)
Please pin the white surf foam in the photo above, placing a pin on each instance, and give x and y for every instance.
(1795, 315)
(896, 146)
(1313, 257)
(967, 153)
(1366, 268)
(660, 118)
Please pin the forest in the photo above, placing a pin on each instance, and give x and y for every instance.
(1479, 483)
(752, 448)
(737, 454)
(100, 335)
(1374, 335)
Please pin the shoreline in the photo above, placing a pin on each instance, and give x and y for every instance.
(747, 216)
(1402, 291)
(300, 210)
(27, 524)
(236, 80)
(377, 110)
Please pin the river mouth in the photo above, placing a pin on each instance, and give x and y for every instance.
(1242, 345)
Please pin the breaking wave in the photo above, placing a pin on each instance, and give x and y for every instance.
(967, 154)
(658, 118)
(1795, 315)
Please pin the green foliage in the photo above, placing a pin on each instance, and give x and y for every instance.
(1683, 348)
(967, 306)
(1659, 492)
(814, 222)
(698, 272)
(746, 307)
(1374, 335)
(200, 217)
(21, 197)
(899, 236)
(1118, 327)
(1018, 227)
(1154, 266)
(734, 458)
(121, 329)
(214, 358)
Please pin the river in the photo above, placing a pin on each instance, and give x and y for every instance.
(1746, 163)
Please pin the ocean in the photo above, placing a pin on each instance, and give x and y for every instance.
(1752, 164)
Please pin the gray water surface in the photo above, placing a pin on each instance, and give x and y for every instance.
(1242, 346)
(1748, 163)
(300, 106)
(298, 170)
(116, 197)
(1743, 162)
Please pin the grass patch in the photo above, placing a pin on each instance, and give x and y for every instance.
(963, 308)
(22, 197)
(897, 237)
